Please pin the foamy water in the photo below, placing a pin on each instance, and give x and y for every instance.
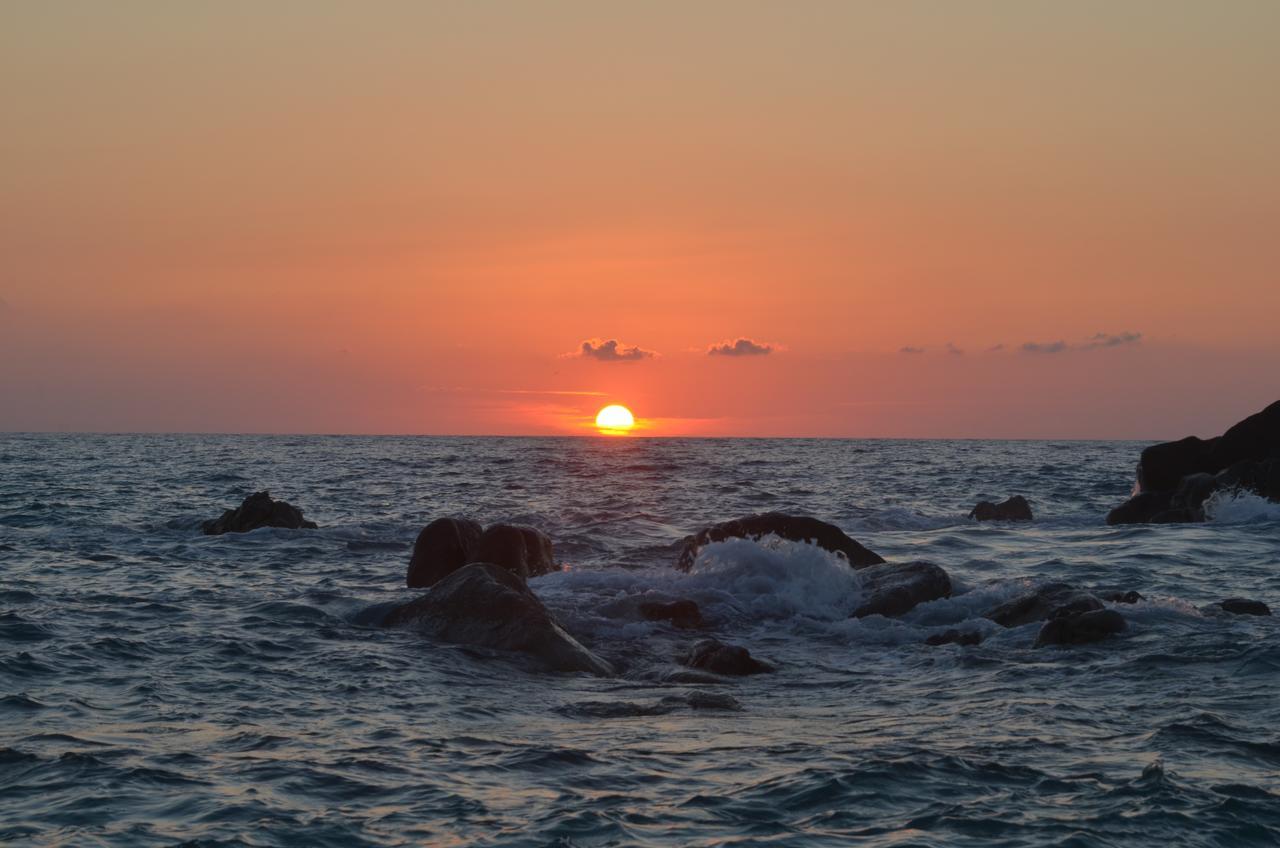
(164, 687)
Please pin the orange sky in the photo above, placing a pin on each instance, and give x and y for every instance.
(399, 217)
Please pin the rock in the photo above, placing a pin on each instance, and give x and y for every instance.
(713, 701)
(1162, 466)
(443, 546)
(717, 657)
(954, 637)
(1255, 438)
(796, 528)
(258, 510)
(1052, 600)
(1141, 508)
(1015, 508)
(1239, 606)
(680, 613)
(1116, 597)
(896, 588)
(519, 549)
(487, 605)
(1081, 628)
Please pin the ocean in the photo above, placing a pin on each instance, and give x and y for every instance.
(162, 687)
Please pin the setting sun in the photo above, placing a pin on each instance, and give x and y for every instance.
(615, 419)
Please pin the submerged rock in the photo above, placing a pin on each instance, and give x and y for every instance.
(796, 528)
(896, 588)
(443, 546)
(1052, 600)
(258, 510)
(487, 605)
(1081, 628)
(1015, 508)
(1238, 606)
(680, 613)
(955, 637)
(717, 657)
(1117, 597)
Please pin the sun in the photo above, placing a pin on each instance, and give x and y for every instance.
(615, 420)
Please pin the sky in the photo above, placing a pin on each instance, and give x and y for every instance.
(854, 219)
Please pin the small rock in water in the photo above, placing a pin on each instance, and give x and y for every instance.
(954, 637)
(1052, 600)
(715, 656)
(680, 613)
(1081, 628)
(258, 510)
(897, 588)
(1240, 606)
(1116, 597)
(519, 549)
(795, 528)
(1015, 508)
(443, 546)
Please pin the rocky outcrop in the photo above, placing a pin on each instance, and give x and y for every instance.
(796, 528)
(1052, 600)
(1015, 508)
(715, 656)
(447, 544)
(1175, 479)
(1081, 628)
(486, 605)
(1238, 606)
(680, 613)
(258, 510)
(897, 588)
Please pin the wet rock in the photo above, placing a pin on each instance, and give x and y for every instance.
(897, 588)
(1117, 597)
(258, 510)
(1161, 467)
(1015, 508)
(443, 546)
(680, 613)
(1141, 508)
(954, 637)
(717, 657)
(487, 605)
(796, 528)
(1081, 628)
(1052, 600)
(519, 549)
(1239, 606)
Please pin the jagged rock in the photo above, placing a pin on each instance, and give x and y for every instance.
(258, 510)
(1015, 508)
(717, 657)
(954, 637)
(896, 588)
(1081, 628)
(487, 605)
(519, 549)
(1239, 606)
(443, 546)
(796, 528)
(680, 613)
(1052, 600)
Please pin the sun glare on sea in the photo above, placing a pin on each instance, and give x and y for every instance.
(615, 420)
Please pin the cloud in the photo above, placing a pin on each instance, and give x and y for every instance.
(611, 350)
(995, 348)
(1044, 347)
(910, 349)
(740, 347)
(1100, 340)
(951, 348)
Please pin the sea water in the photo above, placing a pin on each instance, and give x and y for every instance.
(162, 687)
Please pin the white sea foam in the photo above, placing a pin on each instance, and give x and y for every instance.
(1238, 507)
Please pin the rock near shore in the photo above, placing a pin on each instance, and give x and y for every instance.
(258, 510)
(447, 544)
(795, 528)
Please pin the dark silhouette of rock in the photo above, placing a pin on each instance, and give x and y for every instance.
(896, 588)
(1175, 479)
(487, 605)
(1117, 597)
(680, 613)
(717, 657)
(954, 637)
(1081, 628)
(1239, 606)
(258, 510)
(443, 546)
(796, 528)
(1052, 600)
(519, 549)
(1015, 508)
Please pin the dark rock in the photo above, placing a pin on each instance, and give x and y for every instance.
(1261, 477)
(519, 549)
(1162, 466)
(680, 613)
(1081, 628)
(443, 546)
(1052, 600)
(1116, 597)
(258, 510)
(896, 588)
(954, 637)
(1141, 508)
(1255, 438)
(487, 605)
(796, 528)
(1015, 508)
(1175, 516)
(717, 657)
(1240, 606)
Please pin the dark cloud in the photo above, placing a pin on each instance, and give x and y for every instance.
(1044, 347)
(910, 349)
(1109, 340)
(611, 350)
(740, 347)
